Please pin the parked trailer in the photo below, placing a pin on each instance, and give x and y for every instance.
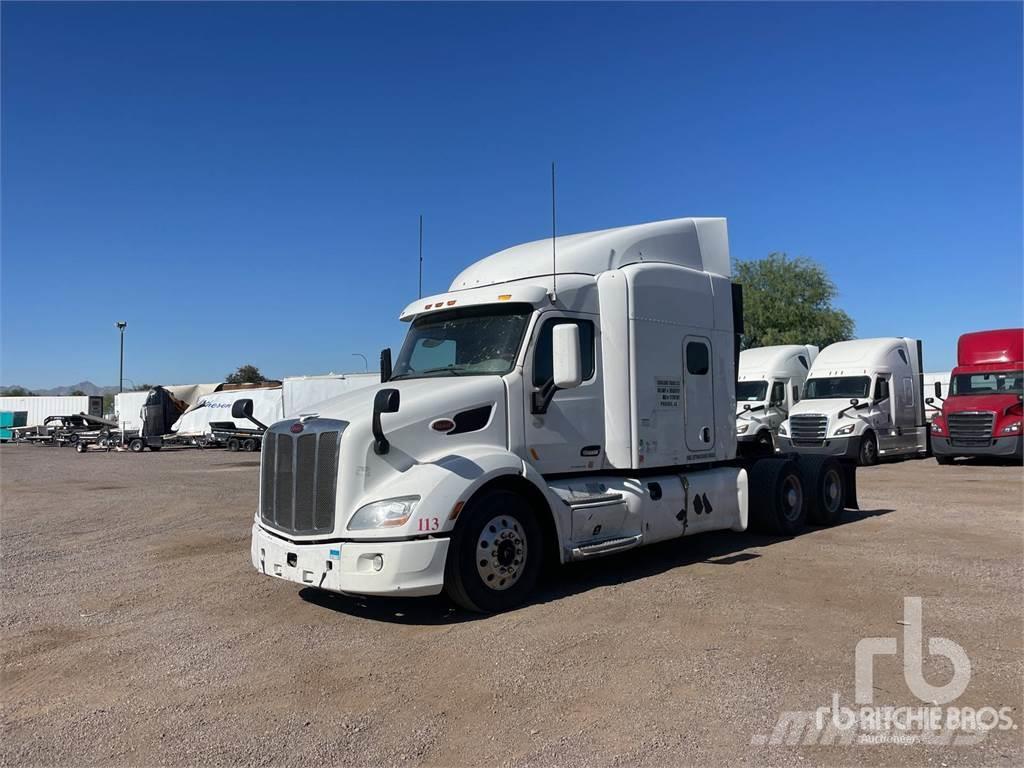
(215, 408)
(982, 415)
(532, 415)
(768, 386)
(862, 400)
(9, 420)
(303, 393)
(38, 408)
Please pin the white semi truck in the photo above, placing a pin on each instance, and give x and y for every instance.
(565, 399)
(767, 387)
(862, 400)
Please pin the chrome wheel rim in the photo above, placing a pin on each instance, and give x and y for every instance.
(501, 553)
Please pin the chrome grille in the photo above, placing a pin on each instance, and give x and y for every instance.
(971, 428)
(299, 476)
(808, 430)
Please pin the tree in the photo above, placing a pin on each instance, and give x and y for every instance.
(246, 374)
(142, 387)
(15, 392)
(77, 393)
(789, 301)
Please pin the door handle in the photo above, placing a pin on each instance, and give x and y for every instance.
(705, 435)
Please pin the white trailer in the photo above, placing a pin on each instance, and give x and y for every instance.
(215, 408)
(768, 386)
(40, 407)
(863, 399)
(301, 393)
(128, 410)
(533, 416)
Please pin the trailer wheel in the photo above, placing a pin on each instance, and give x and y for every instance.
(249, 445)
(233, 444)
(777, 502)
(73, 438)
(495, 554)
(81, 448)
(136, 445)
(867, 455)
(824, 487)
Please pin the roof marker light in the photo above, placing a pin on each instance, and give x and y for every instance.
(451, 303)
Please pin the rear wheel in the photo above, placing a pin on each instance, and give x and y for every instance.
(249, 445)
(136, 445)
(825, 489)
(495, 554)
(233, 444)
(867, 456)
(777, 497)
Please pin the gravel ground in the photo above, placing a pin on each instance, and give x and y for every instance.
(135, 632)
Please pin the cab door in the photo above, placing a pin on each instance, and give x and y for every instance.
(698, 394)
(565, 429)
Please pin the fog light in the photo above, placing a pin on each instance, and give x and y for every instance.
(378, 562)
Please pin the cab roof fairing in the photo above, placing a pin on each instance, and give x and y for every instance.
(576, 293)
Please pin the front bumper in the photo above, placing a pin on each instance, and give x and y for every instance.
(1005, 447)
(410, 568)
(846, 447)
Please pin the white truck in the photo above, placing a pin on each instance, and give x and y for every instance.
(862, 400)
(767, 387)
(537, 412)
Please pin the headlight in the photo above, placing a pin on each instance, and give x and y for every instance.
(936, 427)
(389, 513)
(1010, 429)
(846, 430)
(741, 428)
(783, 430)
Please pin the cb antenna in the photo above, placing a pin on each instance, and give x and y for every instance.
(421, 256)
(554, 292)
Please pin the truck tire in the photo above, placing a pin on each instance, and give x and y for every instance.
(765, 443)
(233, 444)
(495, 554)
(777, 497)
(943, 459)
(867, 454)
(81, 448)
(824, 489)
(249, 445)
(136, 445)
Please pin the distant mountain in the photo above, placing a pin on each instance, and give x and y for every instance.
(83, 386)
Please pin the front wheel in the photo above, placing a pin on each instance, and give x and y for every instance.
(867, 456)
(495, 555)
(944, 460)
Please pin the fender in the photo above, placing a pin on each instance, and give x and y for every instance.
(448, 482)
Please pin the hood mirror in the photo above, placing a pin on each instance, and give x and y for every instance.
(385, 401)
(242, 409)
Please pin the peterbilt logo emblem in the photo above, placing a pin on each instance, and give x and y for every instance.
(296, 428)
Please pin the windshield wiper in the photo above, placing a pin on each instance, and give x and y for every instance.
(416, 374)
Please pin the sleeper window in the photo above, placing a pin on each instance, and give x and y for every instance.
(697, 359)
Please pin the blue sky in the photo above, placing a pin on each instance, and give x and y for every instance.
(241, 183)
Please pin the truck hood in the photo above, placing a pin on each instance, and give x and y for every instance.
(827, 407)
(995, 402)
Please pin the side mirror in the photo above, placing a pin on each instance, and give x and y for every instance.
(567, 363)
(241, 409)
(938, 389)
(746, 406)
(385, 364)
(854, 401)
(929, 400)
(385, 401)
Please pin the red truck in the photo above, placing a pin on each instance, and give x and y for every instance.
(983, 412)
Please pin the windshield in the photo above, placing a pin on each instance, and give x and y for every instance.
(751, 391)
(476, 341)
(1002, 383)
(837, 387)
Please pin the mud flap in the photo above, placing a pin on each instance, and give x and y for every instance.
(850, 481)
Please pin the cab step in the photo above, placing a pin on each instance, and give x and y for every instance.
(606, 547)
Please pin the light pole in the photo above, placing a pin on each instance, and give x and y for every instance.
(366, 365)
(121, 325)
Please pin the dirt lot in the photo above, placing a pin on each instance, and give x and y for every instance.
(136, 633)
